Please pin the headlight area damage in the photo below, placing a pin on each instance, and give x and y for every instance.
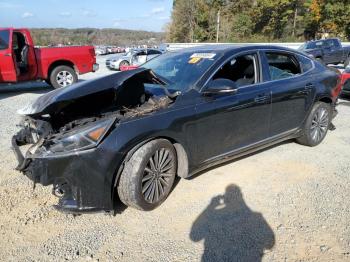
(63, 132)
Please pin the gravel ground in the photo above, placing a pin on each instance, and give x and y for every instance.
(289, 203)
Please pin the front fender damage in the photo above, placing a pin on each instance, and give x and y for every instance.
(80, 178)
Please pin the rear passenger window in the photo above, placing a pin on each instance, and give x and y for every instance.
(282, 65)
(305, 63)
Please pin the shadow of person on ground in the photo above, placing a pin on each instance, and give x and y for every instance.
(231, 231)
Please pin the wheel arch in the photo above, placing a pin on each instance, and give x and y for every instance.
(182, 159)
(57, 63)
(325, 99)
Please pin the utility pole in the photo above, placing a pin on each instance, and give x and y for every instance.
(295, 20)
(218, 27)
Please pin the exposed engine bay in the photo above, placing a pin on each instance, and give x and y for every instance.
(65, 111)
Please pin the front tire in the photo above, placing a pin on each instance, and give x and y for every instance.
(123, 63)
(149, 175)
(63, 76)
(316, 125)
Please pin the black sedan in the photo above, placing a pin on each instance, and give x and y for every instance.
(128, 135)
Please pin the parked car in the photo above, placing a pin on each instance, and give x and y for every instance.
(328, 51)
(133, 57)
(59, 66)
(130, 133)
(345, 82)
(118, 49)
(101, 50)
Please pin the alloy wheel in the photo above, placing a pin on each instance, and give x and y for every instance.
(64, 78)
(319, 125)
(158, 175)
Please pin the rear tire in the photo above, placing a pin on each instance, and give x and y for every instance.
(316, 125)
(347, 61)
(62, 76)
(149, 175)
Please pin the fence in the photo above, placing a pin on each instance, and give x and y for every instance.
(176, 46)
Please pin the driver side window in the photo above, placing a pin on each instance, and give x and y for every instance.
(242, 70)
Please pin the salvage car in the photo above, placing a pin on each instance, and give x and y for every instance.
(328, 51)
(134, 58)
(129, 134)
(21, 61)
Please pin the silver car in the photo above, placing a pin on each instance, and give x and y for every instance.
(133, 57)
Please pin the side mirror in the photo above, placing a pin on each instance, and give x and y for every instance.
(221, 86)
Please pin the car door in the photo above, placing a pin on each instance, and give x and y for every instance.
(338, 50)
(331, 53)
(291, 91)
(140, 58)
(229, 122)
(8, 71)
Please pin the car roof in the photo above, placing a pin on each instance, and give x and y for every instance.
(320, 40)
(228, 48)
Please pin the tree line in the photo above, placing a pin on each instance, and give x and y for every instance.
(93, 36)
(258, 20)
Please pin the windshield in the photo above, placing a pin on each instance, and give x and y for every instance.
(181, 69)
(311, 45)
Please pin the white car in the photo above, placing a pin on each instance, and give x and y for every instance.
(134, 57)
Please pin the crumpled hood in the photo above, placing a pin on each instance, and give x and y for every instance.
(56, 100)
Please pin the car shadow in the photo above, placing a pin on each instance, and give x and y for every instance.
(231, 230)
(7, 91)
(215, 166)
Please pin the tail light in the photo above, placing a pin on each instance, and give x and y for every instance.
(336, 91)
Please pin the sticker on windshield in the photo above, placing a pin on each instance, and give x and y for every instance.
(203, 55)
(194, 60)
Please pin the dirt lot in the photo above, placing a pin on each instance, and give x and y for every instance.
(290, 203)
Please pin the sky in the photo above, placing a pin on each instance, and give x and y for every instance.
(149, 15)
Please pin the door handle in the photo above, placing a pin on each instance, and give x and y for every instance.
(307, 89)
(261, 99)
(309, 86)
(7, 55)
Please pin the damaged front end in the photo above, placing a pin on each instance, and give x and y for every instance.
(68, 136)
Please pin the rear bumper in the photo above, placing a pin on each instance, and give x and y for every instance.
(83, 180)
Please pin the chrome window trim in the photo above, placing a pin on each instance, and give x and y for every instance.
(257, 52)
(291, 53)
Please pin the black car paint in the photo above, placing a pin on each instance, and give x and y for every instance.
(209, 129)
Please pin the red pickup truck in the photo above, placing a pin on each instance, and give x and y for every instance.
(59, 66)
